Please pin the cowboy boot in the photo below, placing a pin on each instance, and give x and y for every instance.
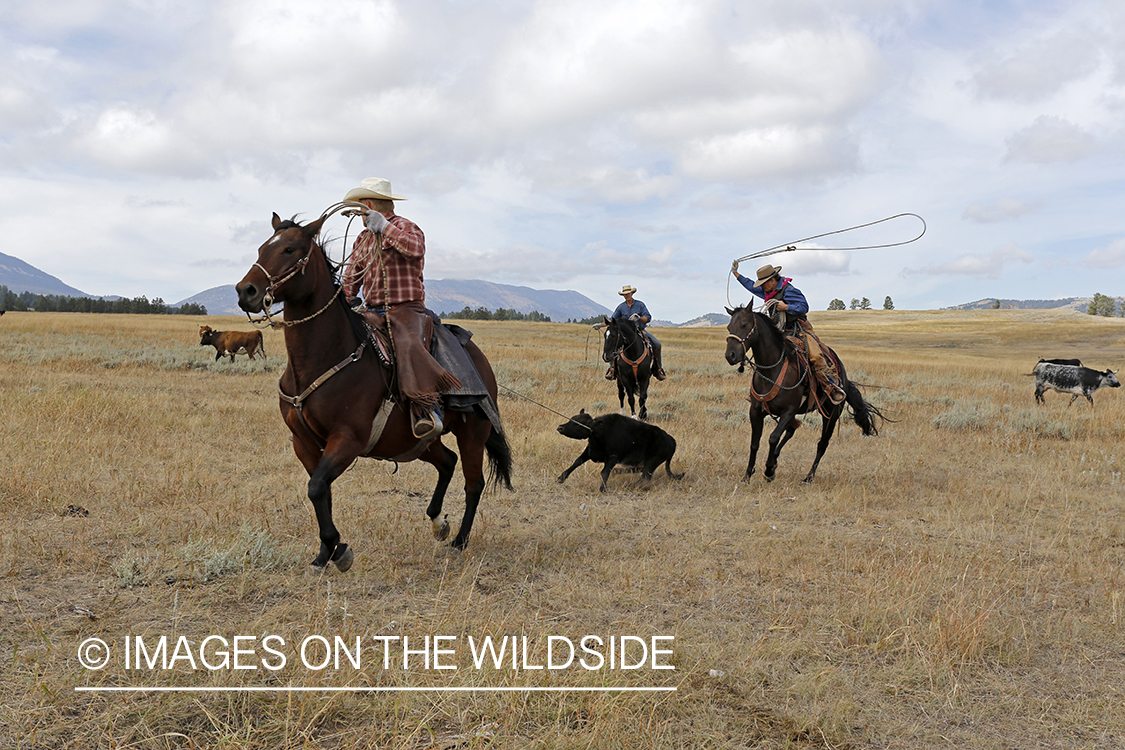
(428, 424)
(610, 374)
(835, 393)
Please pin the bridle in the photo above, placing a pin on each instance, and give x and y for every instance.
(349, 207)
(746, 349)
(267, 321)
(623, 344)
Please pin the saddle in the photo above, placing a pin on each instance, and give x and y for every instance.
(620, 355)
(379, 337)
(465, 392)
(799, 336)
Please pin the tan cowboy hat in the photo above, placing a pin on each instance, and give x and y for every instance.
(765, 273)
(373, 188)
(627, 290)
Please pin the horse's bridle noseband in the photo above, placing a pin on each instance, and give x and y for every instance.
(274, 283)
(268, 300)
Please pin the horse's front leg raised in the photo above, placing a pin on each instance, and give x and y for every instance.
(323, 469)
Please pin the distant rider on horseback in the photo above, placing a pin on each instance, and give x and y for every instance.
(636, 311)
(770, 285)
(387, 261)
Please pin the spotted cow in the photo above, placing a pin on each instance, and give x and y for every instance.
(1072, 379)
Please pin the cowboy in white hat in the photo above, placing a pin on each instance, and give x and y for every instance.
(769, 285)
(387, 261)
(636, 311)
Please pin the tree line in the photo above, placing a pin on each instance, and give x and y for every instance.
(27, 301)
(483, 313)
(859, 304)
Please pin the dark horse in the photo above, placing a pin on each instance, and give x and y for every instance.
(343, 409)
(628, 350)
(782, 387)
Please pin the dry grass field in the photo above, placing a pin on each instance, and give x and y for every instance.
(957, 581)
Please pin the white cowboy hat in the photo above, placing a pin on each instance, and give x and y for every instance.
(373, 188)
(627, 290)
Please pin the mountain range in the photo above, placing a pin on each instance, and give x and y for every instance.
(21, 277)
(453, 295)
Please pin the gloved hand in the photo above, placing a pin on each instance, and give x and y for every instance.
(635, 317)
(376, 222)
(734, 268)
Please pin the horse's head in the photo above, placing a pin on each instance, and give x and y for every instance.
(279, 273)
(741, 334)
(612, 340)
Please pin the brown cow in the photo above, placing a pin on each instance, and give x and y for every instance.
(232, 342)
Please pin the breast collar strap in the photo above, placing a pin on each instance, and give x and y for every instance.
(298, 402)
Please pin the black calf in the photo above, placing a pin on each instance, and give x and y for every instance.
(614, 439)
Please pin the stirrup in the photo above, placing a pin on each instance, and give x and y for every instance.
(428, 424)
(610, 374)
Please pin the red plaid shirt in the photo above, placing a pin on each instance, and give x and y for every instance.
(404, 257)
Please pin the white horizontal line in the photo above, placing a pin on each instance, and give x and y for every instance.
(266, 689)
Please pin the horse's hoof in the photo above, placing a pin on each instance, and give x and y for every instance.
(346, 560)
(440, 528)
(318, 568)
(769, 477)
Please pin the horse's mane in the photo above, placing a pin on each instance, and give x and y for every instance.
(770, 326)
(355, 320)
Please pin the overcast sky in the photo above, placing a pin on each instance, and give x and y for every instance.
(577, 144)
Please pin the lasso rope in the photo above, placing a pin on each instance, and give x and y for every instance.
(568, 419)
(792, 246)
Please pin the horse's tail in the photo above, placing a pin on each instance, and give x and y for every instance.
(499, 458)
(866, 416)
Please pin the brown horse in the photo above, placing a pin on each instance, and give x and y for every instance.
(343, 410)
(782, 387)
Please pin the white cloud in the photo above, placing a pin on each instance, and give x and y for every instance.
(814, 262)
(989, 266)
(132, 140)
(1050, 139)
(1002, 209)
(781, 152)
(1110, 257)
(1039, 68)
